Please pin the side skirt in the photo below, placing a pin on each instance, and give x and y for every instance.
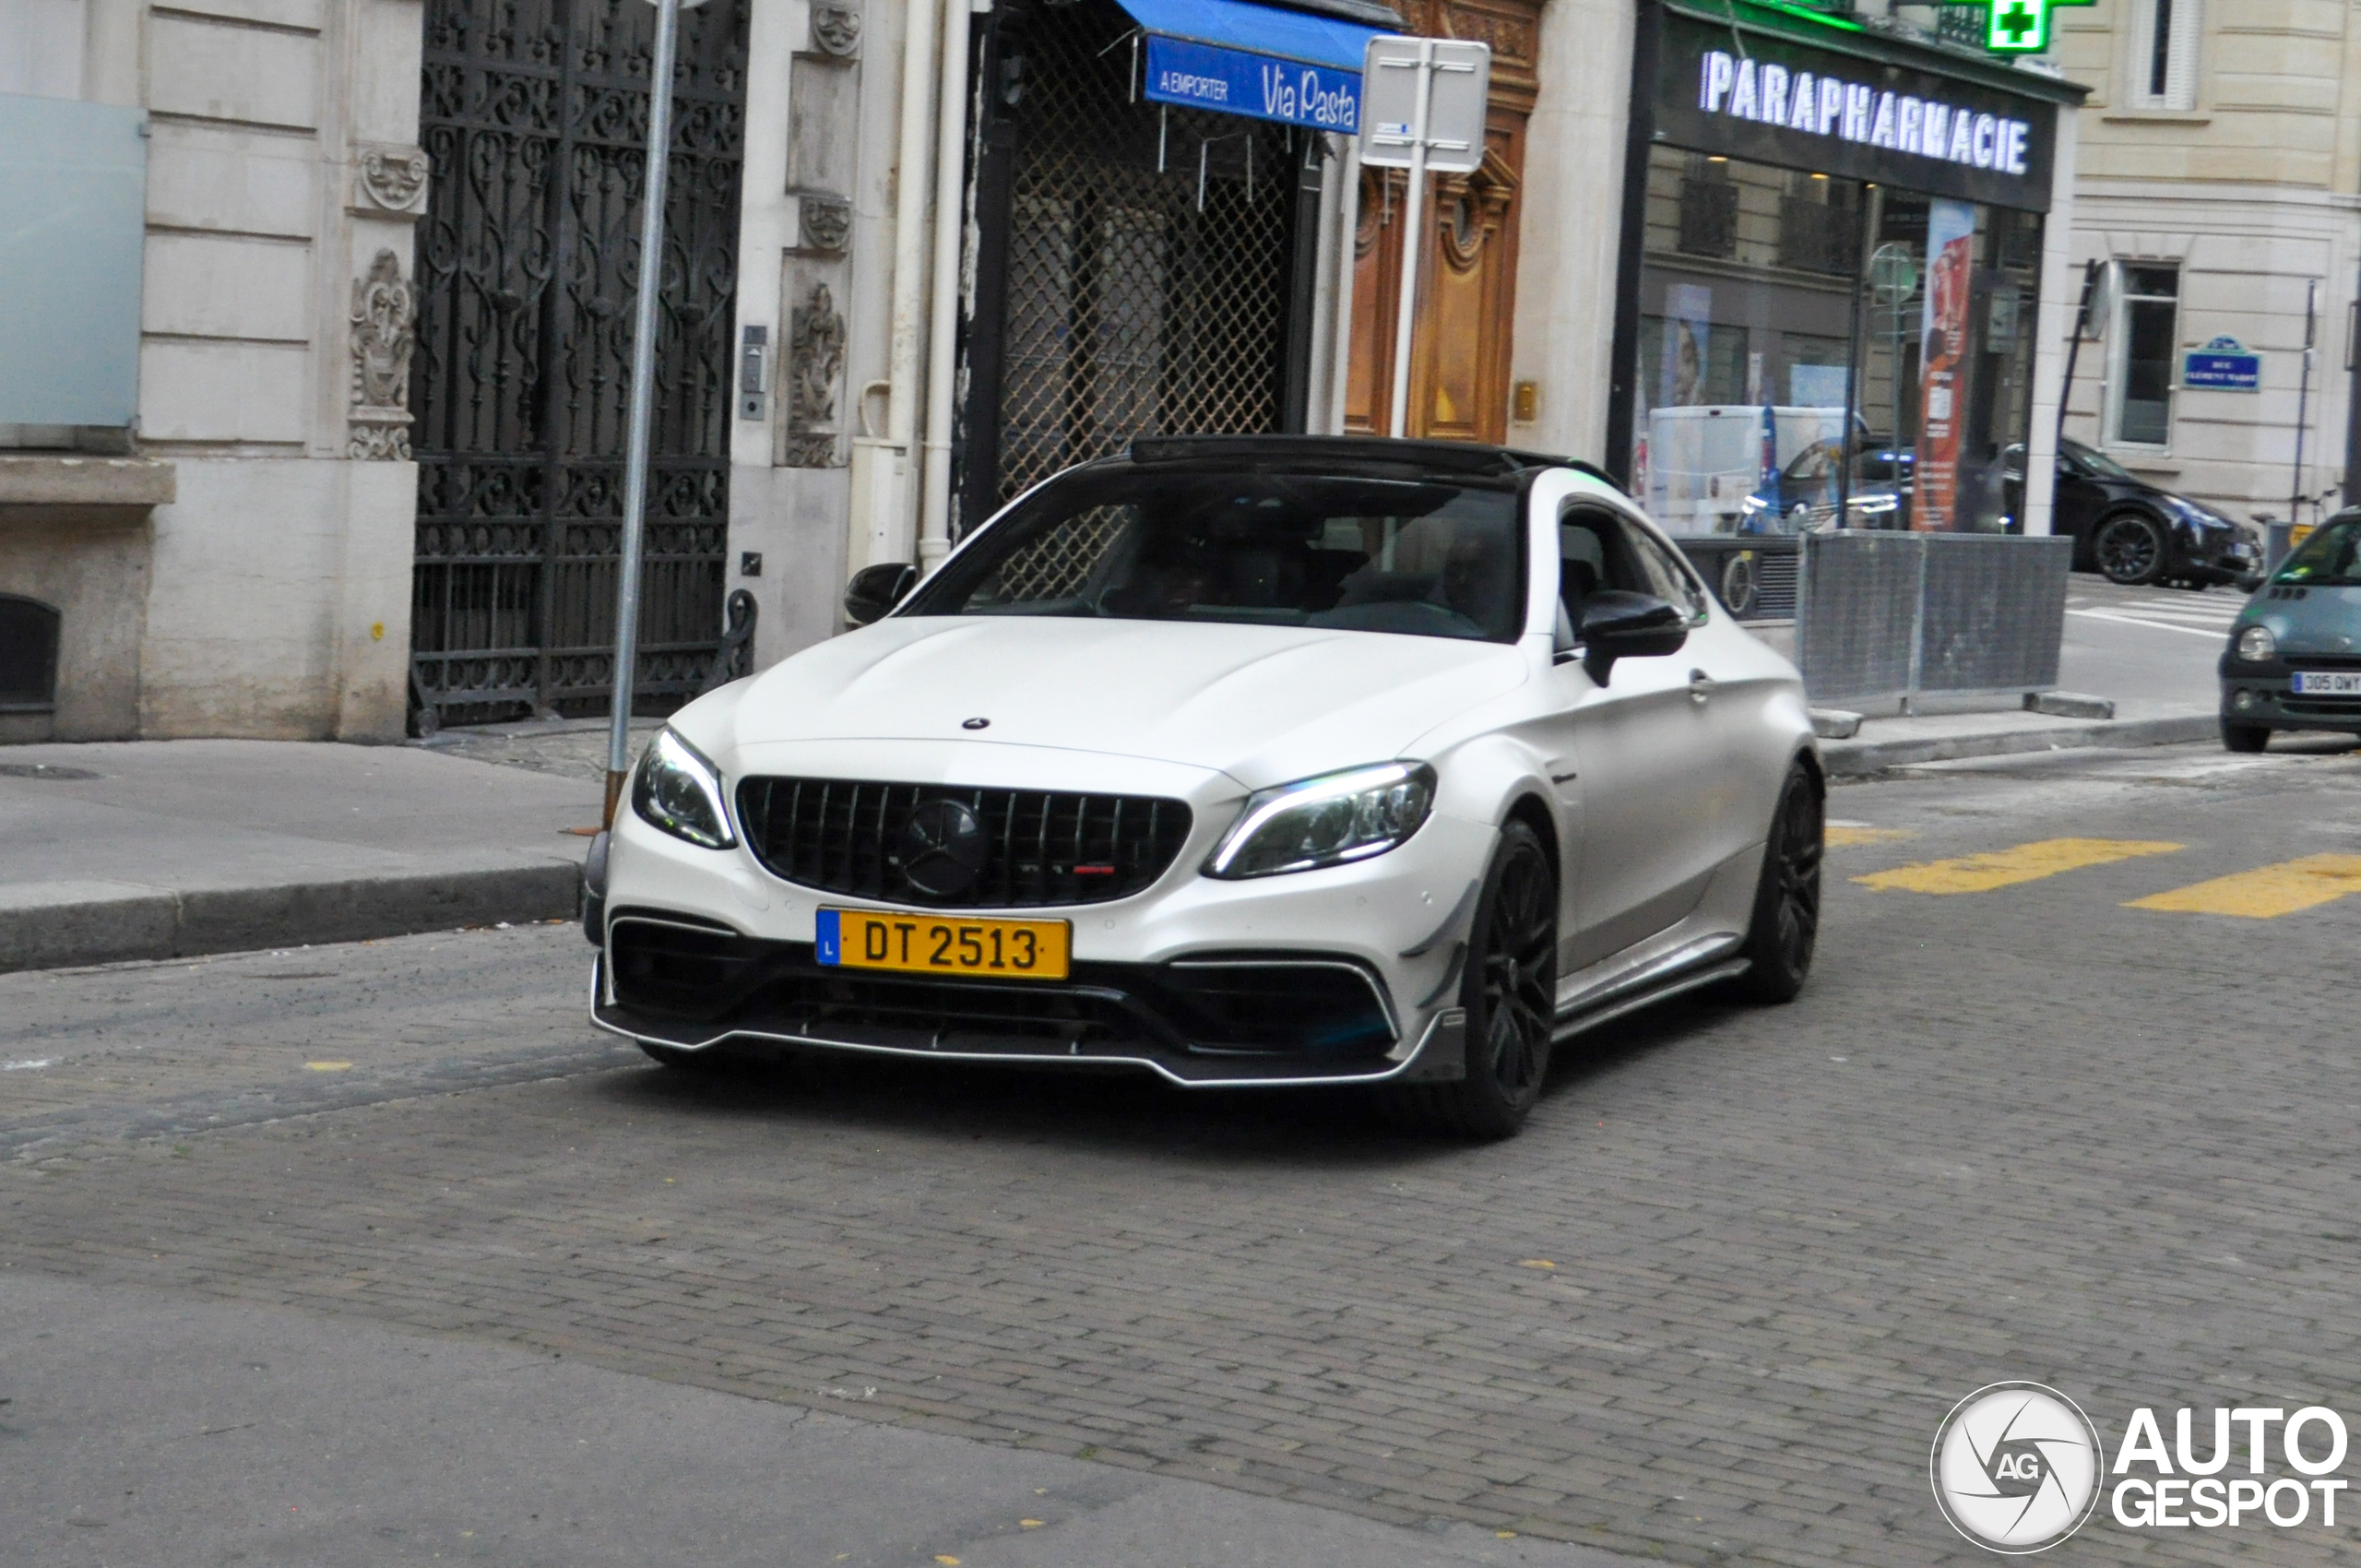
(1677, 974)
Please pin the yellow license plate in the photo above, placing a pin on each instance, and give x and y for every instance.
(941, 944)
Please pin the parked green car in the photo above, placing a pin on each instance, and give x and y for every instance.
(2294, 661)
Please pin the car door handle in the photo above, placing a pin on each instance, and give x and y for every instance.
(1701, 685)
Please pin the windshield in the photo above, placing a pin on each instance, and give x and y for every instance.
(2096, 462)
(1414, 557)
(2328, 558)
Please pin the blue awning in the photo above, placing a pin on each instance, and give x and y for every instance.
(1236, 58)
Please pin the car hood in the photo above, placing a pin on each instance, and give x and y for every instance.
(2326, 620)
(1263, 704)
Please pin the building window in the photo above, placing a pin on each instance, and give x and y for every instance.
(1819, 225)
(28, 655)
(2164, 64)
(2147, 326)
(1708, 208)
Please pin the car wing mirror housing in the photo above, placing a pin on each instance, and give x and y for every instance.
(876, 589)
(1617, 624)
(2249, 581)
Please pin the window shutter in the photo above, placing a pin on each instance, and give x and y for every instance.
(2180, 60)
(2181, 24)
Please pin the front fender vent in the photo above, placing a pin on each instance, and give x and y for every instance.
(1042, 848)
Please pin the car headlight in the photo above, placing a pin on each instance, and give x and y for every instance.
(1327, 821)
(678, 790)
(2257, 645)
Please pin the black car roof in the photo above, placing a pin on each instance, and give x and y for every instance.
(1456, 459)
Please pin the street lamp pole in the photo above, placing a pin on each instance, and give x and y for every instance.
(643, 392)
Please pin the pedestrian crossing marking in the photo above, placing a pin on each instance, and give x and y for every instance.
(2267, 892)
(2151, 625)
(2006, 868)
(1844, 834)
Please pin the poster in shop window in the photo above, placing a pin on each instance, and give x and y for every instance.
(1942, 377)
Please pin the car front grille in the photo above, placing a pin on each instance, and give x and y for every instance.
(1041, 847)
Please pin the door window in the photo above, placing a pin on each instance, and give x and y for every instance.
(1596, 550)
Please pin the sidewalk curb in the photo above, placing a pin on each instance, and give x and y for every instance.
(1863, 759)
(165, 923)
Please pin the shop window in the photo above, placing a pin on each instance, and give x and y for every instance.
(1708, 208)
(28, 655)
(2164, 56)
(2146, 327)
(1819, 225)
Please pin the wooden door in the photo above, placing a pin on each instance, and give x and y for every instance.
(1460, 342)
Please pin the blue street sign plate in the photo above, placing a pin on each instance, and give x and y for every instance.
(2223, 365)
(1232, 81)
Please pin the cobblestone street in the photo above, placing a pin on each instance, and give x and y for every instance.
(1710, 1307)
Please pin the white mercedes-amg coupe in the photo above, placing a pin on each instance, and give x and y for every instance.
(1244, 761)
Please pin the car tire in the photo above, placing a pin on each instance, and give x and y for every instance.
(2131, 550)
(1510, 991)
(1784, 927)
(2245, 737)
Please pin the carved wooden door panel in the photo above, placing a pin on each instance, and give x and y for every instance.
(1460, 343)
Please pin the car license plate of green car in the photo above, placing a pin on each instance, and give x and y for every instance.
(2328, 682)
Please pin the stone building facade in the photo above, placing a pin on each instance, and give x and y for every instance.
(2219, 188)
(232, 556)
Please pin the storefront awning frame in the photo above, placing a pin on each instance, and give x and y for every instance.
(1233, 57)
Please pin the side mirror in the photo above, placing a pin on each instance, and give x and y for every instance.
(876, 589)
(1628, 625)
(2251, 581)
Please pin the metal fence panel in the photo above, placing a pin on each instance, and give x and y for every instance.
(1995, 613)
(1856, 612)
(1895, 614)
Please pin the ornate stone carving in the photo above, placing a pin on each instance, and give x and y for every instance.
(390, 181)
(816, 359)
(827, 223)
(384, 321)
(836, 27)
(1470, 209)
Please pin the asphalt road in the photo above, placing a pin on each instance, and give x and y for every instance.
(376, 1254)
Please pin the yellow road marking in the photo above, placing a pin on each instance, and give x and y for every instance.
(1844, 834)
(2006, 868)
(329, 1066)
(2267, 892)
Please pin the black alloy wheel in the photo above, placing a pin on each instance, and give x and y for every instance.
(2129, 549)
(1785, 928)
(2238, 737)
(1510, 989)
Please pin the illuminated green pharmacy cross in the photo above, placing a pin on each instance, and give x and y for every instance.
(2021, 26)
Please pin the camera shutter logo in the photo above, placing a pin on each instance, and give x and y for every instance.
(2016, 1467)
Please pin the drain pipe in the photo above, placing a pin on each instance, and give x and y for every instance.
(950, 236)
(892, 533)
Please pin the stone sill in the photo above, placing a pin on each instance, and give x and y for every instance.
(58, 480)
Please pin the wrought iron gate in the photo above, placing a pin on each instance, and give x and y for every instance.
(1146, 261)
(535, 115)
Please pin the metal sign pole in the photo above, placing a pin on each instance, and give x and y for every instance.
(1414, 220)
(642, 389)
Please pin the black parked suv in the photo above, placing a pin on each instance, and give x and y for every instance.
(2132, 532)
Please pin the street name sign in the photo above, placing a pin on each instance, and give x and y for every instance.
(2223, 365)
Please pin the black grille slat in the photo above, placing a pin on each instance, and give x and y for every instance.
(844, 836)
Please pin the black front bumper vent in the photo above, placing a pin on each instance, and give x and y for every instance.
(1045, 848)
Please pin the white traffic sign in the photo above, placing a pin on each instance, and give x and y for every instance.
(1393, 72)
(1423, 109)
